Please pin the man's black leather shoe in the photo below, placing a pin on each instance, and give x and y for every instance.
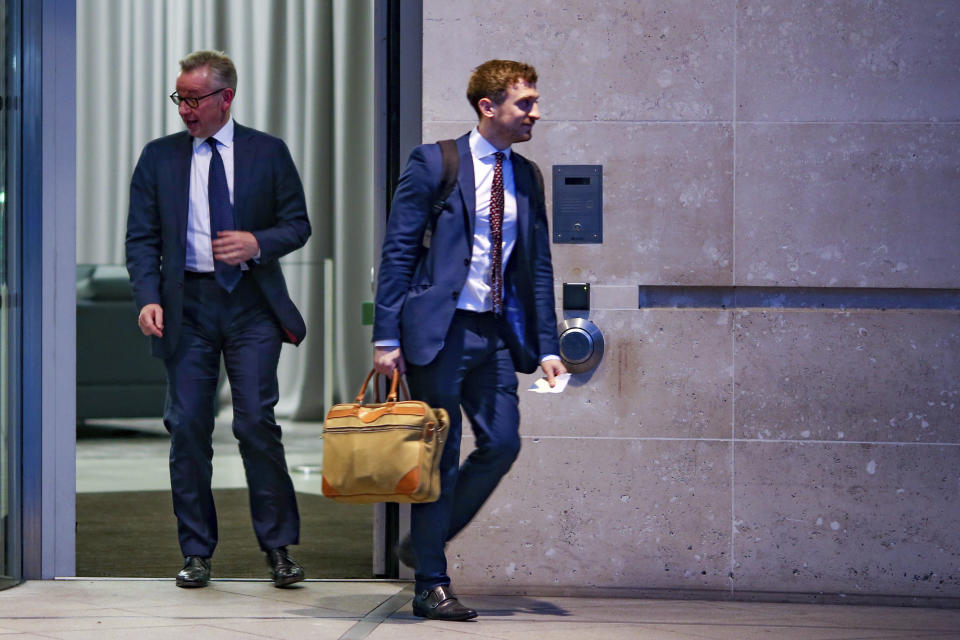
(195, 572)
(440, 604)
(405, 552)
(283, 569)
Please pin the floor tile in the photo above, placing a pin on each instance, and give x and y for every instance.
(155, 609)
(137, 452)
(311, 629)
(206, 632)
(49, 619)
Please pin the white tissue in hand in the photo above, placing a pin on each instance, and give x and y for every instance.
(542, 386)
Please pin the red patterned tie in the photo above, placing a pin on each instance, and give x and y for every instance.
(496, 235)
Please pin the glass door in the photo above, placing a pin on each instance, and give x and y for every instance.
(10, 563)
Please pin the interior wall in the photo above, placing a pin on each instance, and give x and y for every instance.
(781, 417)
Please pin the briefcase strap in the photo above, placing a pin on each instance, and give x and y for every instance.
(404, 393)
(392, 396)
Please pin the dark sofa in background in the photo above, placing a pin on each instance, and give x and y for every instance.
(116, 375)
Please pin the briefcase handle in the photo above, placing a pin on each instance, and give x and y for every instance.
(392, 396)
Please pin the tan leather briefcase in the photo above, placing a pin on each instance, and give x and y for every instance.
(383, 452)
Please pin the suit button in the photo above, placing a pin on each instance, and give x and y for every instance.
(466, 262)
(455, 294)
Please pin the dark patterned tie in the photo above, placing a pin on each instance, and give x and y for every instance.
(496, 235)
(221, 215)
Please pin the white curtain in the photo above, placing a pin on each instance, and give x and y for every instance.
(306, 74)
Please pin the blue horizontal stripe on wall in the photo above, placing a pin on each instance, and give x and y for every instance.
(678, 297)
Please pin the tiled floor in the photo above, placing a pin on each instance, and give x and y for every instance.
(132, 455)
(379, 610)
(155, 609)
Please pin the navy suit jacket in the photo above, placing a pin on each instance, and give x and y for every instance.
(417, 288)
(268, 201)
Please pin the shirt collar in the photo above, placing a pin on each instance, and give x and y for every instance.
(481, 148)
(224, 136)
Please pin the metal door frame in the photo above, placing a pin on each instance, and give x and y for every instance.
(399, 85)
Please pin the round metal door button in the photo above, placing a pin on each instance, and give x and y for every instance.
(581, 344)
(576, 345)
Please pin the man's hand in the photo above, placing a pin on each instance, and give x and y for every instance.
(235, 247)
(386, 359)
(553, 368)
(151, 320)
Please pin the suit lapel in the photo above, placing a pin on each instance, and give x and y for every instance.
(181, 174)
(523, 185)
(468, 187)
(243, 157)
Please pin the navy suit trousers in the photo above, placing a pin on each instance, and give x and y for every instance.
(240, 327)
(474, 370)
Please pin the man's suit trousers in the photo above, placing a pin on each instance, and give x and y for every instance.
(474, 371)
(241, 327)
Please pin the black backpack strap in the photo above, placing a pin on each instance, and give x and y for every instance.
(450, 161)
(450, 165)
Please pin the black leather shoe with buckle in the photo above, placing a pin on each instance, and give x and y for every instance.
(195, 572)
(283, 569)
(440, 604)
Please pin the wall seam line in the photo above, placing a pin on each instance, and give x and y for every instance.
(888, 443)
(895, 123)
(733, 325)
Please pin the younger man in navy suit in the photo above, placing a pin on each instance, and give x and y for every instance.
(464, 300)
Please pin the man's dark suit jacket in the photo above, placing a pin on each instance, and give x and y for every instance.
(418, 288)
(268, 201)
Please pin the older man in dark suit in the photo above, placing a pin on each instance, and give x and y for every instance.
(464, 300)
(212, 210)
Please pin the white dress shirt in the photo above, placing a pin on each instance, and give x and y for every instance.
(476, 294)
(199, 247)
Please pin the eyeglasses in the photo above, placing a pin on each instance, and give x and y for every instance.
(193, 103)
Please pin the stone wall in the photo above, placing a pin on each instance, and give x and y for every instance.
(784, 420)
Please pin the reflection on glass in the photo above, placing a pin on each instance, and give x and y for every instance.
(4, 337)
(9, 320)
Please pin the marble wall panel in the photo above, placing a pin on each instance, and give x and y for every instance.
(665, 373)
(836, 170)
(861, 376)
(433, 131)
(612, 60)
(659, 518)
(848, 60)
(849, 518)
(667, 199)
(847, 205)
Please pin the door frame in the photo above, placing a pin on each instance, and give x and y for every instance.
(48, 250)
(48, 170)
(399, 117)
